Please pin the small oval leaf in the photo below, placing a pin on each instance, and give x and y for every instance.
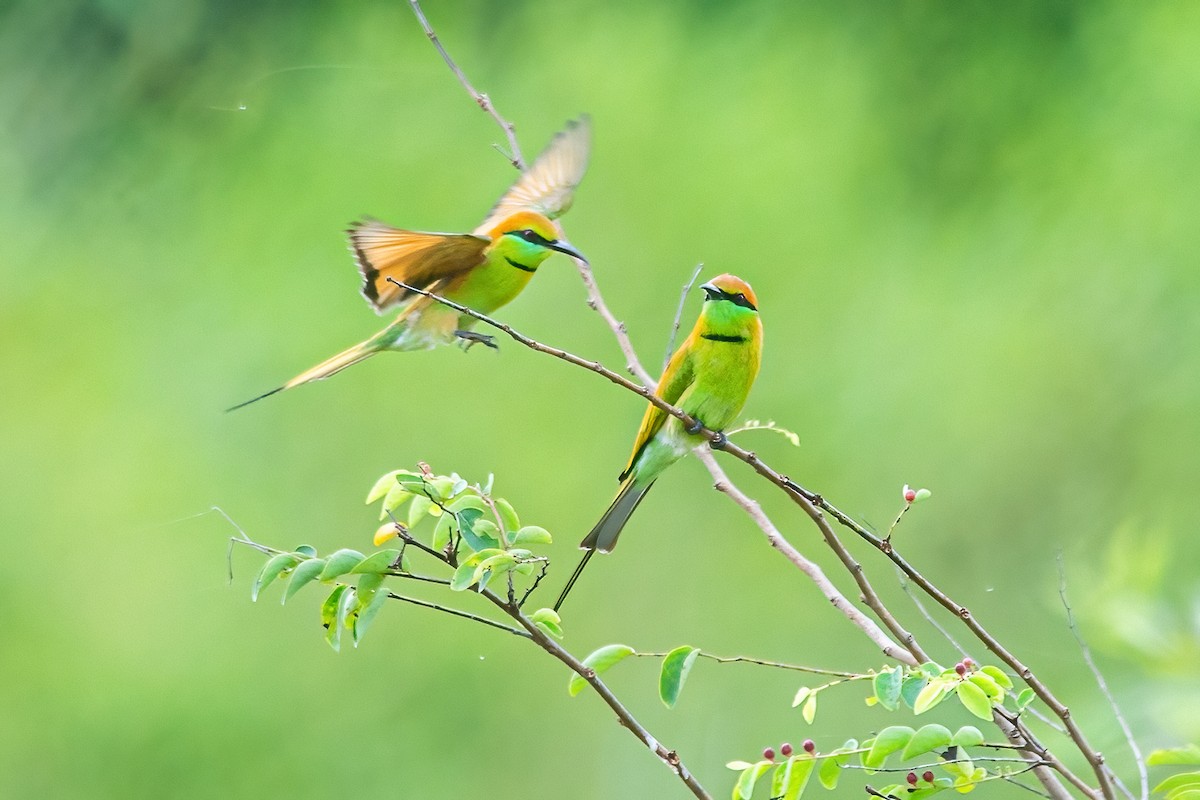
(599, 660)
(675, 669)
(967, 736)
(887, 741)
(749, 777)
(974, 700)
(377, 562)
(927, 739)
(887, 687)
(809, 711)
(340, 562)
(305, 572)
(531, 534)
(271, 570)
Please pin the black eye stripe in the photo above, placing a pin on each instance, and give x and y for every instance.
(738, 299)
(531, 236)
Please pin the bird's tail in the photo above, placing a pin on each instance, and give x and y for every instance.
(603, 536)
(329, 366)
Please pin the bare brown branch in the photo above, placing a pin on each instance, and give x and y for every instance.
(481, 99)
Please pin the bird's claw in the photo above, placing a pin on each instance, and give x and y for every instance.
(472, 338)
(719, 440)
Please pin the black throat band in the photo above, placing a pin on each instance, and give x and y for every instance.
(720, 337)
(520, 266)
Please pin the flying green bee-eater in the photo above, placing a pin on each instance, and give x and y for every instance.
(708, 377)
(482, 270)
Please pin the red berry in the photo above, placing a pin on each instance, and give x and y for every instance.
(968, 663)
(785, 749)
(961, 669)
(909, 496)
(912, 779)
(928, 776)
(769, 754)
(809, 745)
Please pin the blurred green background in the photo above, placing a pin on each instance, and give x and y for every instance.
(973, 231)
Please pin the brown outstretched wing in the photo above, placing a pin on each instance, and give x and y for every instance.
(412, 257)
(548, 187)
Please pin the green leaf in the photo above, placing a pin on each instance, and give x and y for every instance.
(366, 615)
(382, 486)
(305, 572)
(930, 696)
(531, 534)
(967, 736)
(887, 741)
(271, 570)
(440, 488)
(1026, 697)
(420, 506)
(548, 620)
(999, 676)
(932, 669)
(397, 495)
(329, 611)
(340, 562)
(809, 711)
(508, 514)
(346, 603)
(1180, 781)
(367, 585)
(828, 773)
(927, 739)
(800, 768)
(922, 494)
(887, 688)
(738, 765)
(675, 669)
(463, 578)
(599, 660)
(974, 699)
(745, 785)
(377, 562)
(467, 519)
(911, 688)
(990, 688)
(801, 695)
(497, 564)
(306, 550)
(1185, 756)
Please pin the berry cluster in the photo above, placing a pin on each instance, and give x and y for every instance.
(786, 750)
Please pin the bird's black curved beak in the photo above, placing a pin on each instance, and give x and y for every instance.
(566, 248)
(711, 292)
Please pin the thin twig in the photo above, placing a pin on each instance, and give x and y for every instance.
(687, 288)
(1143, 777)
(761, 662)
(481, 99)
(929, 617)
(456, 613)
(595, 301)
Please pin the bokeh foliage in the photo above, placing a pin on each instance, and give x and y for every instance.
(972, 228)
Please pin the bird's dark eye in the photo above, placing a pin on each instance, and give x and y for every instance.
(529, 234)
(741, 297)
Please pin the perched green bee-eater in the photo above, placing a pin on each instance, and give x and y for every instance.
(483, 270)
(708, 377)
